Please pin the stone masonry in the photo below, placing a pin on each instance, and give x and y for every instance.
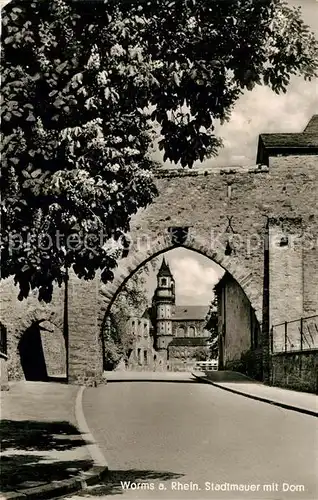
(222, 214)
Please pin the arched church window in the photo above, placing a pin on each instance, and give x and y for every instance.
(164, 281)
(192, 332)
(180, 331)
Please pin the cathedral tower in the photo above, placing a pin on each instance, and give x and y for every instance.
(163, 300)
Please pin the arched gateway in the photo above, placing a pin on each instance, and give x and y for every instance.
(259, 223)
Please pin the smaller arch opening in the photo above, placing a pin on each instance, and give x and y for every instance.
(32, 355)
(192, 331)
(180, 331)
(42, 353)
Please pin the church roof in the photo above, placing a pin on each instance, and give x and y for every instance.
(164, 269)
(181, 313)
(189, 341)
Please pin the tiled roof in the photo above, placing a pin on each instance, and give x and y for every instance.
(301, 143)
(189, 312)
(303, 140)
(189, 341)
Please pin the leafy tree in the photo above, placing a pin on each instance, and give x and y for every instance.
(212, 326)
(83, 84)
(201, 353)
(131, 301)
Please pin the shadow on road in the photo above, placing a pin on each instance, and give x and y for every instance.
(228, 376)
(30, 453)
(39, 436)
(114, 482)
(164, 380)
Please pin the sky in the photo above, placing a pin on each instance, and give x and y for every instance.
(258, 111)
(263, 111)
(194, 275)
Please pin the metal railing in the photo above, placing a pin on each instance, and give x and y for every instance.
(298, 335)
(206, 365)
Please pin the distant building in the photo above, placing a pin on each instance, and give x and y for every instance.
(176, 333)
(143, 355)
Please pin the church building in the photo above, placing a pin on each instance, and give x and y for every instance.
(178, 332)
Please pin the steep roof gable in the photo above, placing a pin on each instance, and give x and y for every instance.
(164, 269)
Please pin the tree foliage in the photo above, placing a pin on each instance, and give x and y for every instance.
(212, 326)
(201, 353)
(131, 301)
(83, 84)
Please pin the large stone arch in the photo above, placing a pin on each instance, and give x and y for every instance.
(197, 211)
(201, 203)
(232, 264)
(241, 218)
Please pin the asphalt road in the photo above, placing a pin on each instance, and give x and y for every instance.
(168, 436)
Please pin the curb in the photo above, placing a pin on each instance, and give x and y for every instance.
(259, 398)
(86, 478)
(94, 451)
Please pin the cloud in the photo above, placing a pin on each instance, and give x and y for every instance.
(194, 279)
(263, 111)
(194, 274)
